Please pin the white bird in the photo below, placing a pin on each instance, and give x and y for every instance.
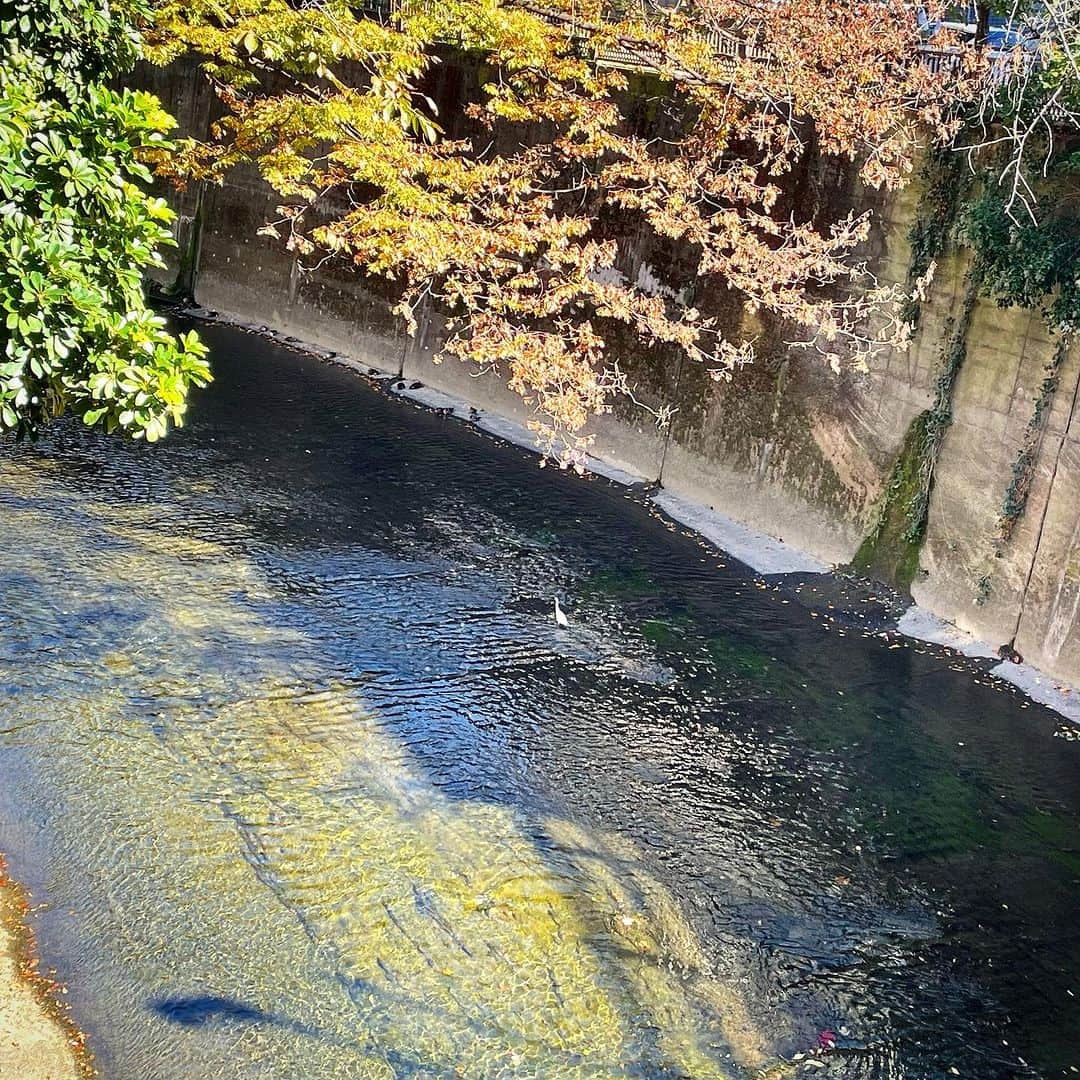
(560, 615)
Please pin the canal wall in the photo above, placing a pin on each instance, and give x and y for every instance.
(785, 447)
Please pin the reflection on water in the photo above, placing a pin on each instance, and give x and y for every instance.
(314, 786)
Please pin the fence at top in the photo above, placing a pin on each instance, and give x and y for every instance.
(734, 49)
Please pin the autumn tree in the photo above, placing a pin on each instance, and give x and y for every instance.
(1020, 218)
(497, 219)
(1026, 125)
(77, 228)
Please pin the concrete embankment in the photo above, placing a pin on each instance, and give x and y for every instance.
(785, 448)
(783, 565)
(38, 1040)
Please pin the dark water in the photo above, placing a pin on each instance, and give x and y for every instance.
(314, 787)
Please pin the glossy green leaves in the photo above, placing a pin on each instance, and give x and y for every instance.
(77, 230)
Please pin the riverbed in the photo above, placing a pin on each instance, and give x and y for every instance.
(309, 783)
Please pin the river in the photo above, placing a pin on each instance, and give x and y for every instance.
(309, 784)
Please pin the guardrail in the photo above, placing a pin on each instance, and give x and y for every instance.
(733, 49)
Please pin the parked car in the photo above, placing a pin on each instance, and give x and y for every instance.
(1003, 32)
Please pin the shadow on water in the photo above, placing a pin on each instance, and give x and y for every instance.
(200, 1010)
(293, 723)
(207, 1009)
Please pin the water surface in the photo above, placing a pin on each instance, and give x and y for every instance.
(312, 785)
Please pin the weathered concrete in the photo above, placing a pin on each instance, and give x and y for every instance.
(787, 446)
(765, 554)
(997, 596)
(784, 447)
(1048, 632)
(921, 624)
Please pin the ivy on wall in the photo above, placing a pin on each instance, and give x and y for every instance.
(946, 178)
(1032, 264)
(939, 416)
(892, 549)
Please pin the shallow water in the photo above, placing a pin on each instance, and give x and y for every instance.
(312, 786)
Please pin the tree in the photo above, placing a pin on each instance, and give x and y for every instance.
(1028, 120)
(77, 228)
(504, 218)
(1022, 218)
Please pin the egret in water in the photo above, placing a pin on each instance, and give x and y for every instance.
(560, 615)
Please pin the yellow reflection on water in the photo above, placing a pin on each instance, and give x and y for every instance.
(271, 881)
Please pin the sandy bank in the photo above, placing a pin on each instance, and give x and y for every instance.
(37, 1040)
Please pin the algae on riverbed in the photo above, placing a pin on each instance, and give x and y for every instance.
(279, 867)
(310, 610)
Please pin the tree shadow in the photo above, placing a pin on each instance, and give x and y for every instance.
(203, 1009)
(206, 1010)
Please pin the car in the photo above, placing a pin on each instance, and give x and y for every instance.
(1003, 33)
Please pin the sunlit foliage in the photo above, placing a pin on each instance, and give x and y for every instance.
(1029, 113)
(77, 229)
(502, 219)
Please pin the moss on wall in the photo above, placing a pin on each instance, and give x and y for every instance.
(945, 179)
(891, 551)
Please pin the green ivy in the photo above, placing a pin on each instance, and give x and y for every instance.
(1031, 264)
(1023, 469)
(946, 178)
(939, 417)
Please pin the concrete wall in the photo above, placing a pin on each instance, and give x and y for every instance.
(1029, 591)
(785, 446)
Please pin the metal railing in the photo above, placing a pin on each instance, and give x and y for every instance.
(734, 49)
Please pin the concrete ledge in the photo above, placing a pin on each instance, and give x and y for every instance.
(921, 624)
(502, 428)
(238, 322)
(1041, 688)
(762, 553)
(436, 400)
